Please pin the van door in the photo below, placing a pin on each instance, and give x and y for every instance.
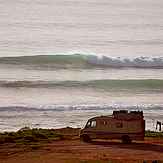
(90, 129)
(134, 127)
(102, 129)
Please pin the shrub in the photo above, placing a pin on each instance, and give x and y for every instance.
(149, 133)
(8, 139)
(30, 138)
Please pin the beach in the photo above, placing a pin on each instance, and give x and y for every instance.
(150, 150)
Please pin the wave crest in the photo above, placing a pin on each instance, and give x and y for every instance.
(126, 62)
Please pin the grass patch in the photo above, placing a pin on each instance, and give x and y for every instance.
(26, 135)
(154, 134)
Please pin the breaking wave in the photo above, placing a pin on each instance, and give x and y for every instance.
(109, 106)
(77, 61)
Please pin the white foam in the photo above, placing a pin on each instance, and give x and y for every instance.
(126, 61)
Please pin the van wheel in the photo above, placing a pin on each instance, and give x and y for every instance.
(126, 140)
(86, 138)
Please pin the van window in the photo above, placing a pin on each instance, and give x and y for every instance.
(103, 123)
(119, 125)
(91, 124)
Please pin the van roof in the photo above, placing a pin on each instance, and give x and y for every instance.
(121, 116)
(103, 116)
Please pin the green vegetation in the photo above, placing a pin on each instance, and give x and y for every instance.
(26, 135)
(154, 134)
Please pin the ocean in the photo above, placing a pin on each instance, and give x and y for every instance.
(65, 61)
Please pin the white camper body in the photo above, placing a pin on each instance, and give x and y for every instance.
(120, 125)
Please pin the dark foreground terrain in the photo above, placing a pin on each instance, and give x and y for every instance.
(72, 150)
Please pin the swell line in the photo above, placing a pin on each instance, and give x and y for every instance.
(148, 83)
(82, 61)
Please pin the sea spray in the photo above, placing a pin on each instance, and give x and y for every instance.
(145, 62)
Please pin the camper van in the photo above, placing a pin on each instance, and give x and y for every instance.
(122, 124)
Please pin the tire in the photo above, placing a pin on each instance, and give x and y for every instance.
(86, 138)
(126, 140)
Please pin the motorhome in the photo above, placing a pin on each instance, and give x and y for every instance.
(122, 124)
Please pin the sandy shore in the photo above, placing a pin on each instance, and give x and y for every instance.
(149, 150)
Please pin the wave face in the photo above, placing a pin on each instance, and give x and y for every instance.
(77, 61)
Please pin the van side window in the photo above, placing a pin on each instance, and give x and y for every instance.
(119, 125)
(91, 124)
(103, 123)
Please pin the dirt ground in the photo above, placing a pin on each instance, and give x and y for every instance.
(149, 150)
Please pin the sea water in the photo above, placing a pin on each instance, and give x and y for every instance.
(63, 62)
